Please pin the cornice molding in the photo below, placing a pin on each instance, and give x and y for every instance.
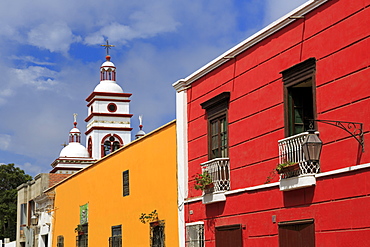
(107, 128)
(113, 115)
(120, 95)
(111, 100)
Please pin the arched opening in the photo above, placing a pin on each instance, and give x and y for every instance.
(110, 144)
(89, 146)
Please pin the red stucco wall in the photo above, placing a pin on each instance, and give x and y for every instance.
(337, 35)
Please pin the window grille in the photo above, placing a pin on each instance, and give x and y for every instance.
(82, 237)
(81, 240)
(195, 235)
(115, 241)
(60, 241)
(157, 234)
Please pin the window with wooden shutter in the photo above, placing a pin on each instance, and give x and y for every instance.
(216, 111)
(299, 100)
(230, 235)
(300, 233)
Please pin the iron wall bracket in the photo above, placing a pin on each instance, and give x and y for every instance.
(352, 128)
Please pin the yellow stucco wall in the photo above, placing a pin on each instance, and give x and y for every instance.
(151, 162)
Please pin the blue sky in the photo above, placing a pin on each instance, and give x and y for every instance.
(50, 56)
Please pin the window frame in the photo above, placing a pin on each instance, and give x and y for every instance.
(160, 226)
(82, 239)
(217, 109)
(292, 77)
(297, 232)
(199, 226)
(60, 241)
(116, 239)
(126, 183)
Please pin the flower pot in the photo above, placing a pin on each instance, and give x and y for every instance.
(288, 168)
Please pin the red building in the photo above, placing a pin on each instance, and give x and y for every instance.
(249, 110)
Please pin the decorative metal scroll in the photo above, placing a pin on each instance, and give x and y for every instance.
(352, 128)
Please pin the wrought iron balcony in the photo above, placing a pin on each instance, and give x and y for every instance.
(219, 171)
(290, 150)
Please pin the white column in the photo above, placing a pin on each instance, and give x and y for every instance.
(182, 158)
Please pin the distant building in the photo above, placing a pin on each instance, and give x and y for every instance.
(35, 210)
(249, 110)
(102, 204)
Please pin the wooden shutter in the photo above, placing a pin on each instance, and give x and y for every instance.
(297, 234)
(227, 236)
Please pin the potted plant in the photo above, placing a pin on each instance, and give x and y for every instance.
(287, 167)
(79, 230)
(203, 181)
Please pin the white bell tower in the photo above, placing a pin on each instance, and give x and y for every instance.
(108, 121)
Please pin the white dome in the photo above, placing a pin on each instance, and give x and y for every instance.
(74, 149)
(75, 130)
(108, 64)
(108, 87)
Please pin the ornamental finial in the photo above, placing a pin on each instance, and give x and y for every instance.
(75, 119)
(141, 121)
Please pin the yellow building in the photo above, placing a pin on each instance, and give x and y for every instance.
(103, 203)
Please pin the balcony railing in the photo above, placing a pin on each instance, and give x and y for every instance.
(219, 171)
(290, 150)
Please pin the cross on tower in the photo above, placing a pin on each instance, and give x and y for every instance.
(107, 47)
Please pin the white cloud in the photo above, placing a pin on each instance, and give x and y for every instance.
(115, 32)
(30, 169)
(31, 59)
(56, 37)
(4, 141)
(40, 77)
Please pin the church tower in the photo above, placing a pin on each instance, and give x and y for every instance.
(108, 121)
(73, 156)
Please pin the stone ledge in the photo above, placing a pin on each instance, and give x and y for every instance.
(299, 182)
(214, 197)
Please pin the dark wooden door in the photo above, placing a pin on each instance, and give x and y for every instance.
(297, 235)
(229, 236)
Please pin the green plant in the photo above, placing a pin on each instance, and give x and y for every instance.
(271, 176)
(153, 216)
(282, 165)
(79, 228)
(278, 169)
(202, 181)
